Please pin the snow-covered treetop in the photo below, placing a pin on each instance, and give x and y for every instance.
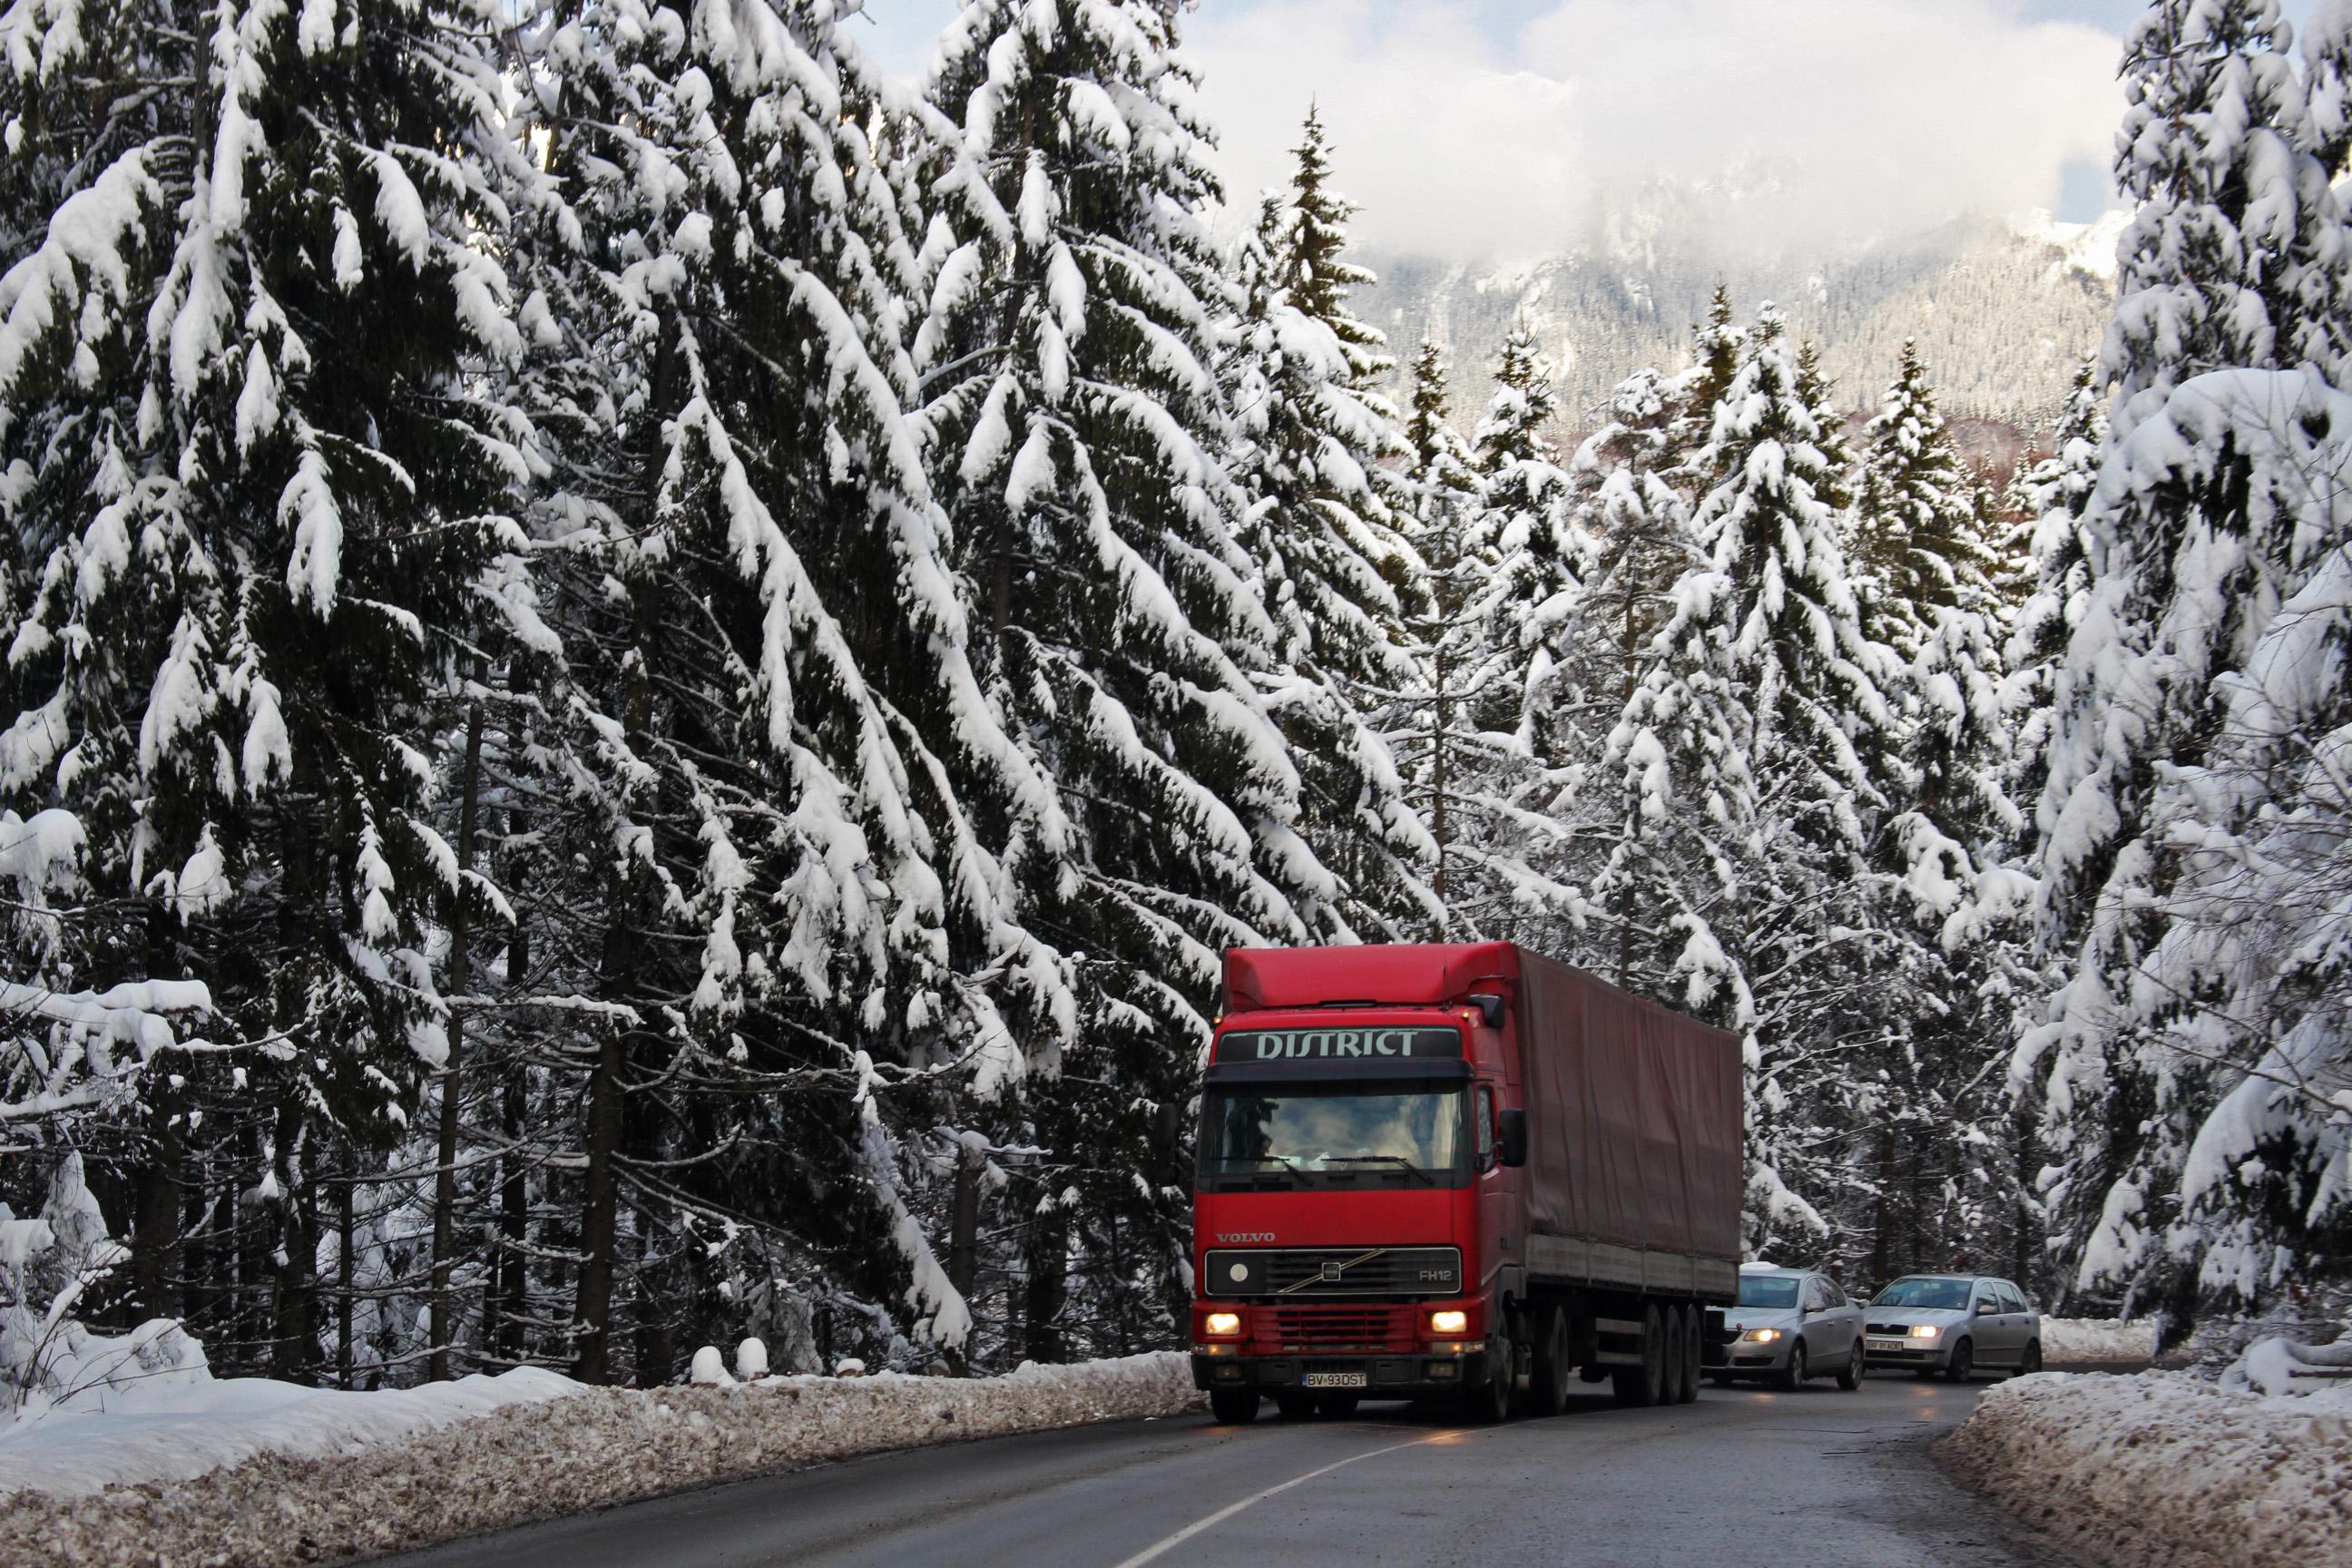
(2237, 255)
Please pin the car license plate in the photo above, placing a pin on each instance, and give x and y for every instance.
(1333, 1379)
(1888, 1345)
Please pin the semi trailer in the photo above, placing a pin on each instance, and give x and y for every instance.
(1464, 1171)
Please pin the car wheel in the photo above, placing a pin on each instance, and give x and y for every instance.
(2031, 1361)
(1337, 1405)
(1792, 1376)
(1233, 1406)
(1851, 1378)
(1294, 1407)
(1963, 1362)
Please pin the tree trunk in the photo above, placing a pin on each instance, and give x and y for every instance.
(156, 1260)
(592, 1314)
(444, 1175)
(1048, 1291)
(343, 1272)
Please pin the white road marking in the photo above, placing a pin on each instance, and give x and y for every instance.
(1158, 1548)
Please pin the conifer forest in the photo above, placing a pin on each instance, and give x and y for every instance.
(647, 668)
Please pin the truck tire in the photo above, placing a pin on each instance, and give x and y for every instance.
(1233, 1406)
(1548, 1393)
(1693, 1350)
(1489, 1404)
(1673, 1354)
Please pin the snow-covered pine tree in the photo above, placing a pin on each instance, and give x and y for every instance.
(2053, 494)
(1437, 735)
(263, 544)
(1073, 422)
(1669, 789)
(2205, 522)
(1535, 721)
(1919, 545)
(784, 905)
(1820, 395)
(1789, 638)
(1306, 455)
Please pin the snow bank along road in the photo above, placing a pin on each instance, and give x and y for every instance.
(1821, 1477)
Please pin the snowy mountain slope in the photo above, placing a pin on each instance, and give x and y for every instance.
(2003, 311)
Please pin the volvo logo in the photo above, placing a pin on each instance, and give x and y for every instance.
(1237, 1237)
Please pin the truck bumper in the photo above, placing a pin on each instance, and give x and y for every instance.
(1385, 1376)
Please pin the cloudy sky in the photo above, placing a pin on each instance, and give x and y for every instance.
(1511, 128)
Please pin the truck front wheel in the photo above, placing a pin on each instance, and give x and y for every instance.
(1490, 1403)
(1233, 1406)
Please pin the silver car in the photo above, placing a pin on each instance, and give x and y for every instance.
(1953, 1324)
(1790, 1324)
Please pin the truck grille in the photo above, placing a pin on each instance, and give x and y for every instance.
(1297, 1272)
(1342, 1327)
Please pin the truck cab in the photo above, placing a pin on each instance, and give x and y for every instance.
(1360, 1219)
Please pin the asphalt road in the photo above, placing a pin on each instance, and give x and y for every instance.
(1744, 1479)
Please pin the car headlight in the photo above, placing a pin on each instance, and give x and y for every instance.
(1926, 1332)
(1449, 1323)
(1221, 1325)
(1761, 1336)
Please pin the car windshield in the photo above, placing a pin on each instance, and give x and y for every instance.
(1346, 1134)
(1767, 1290)
(1937, 1295)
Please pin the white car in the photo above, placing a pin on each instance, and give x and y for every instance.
(1790, 1324)
(1953, 1324)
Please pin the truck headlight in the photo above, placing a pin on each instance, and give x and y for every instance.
(1761, 1336)
(1221, 1325)
(1449, 1323)
(1926, 1332)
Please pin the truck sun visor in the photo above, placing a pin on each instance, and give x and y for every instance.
(1395, 1042)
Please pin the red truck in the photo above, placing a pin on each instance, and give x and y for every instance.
(1463, 1171)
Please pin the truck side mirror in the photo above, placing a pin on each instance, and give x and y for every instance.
(1514, 1131)
(1490, 1009)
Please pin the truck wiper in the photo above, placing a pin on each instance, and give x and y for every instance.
(1397, 1160)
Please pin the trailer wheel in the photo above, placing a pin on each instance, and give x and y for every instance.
(1694, 1352)
(1638, 1388)
(1233, 1406)
(1673, 1355)
(1549, 1393)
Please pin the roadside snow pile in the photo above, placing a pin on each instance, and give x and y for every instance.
(2067, 1340)
(176, 1430)
(2163, 1470)
(538, 1458)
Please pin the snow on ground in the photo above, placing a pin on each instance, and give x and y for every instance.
(2164, 1469)
(324, 1489)
(178, 1430)
(2072, 1340)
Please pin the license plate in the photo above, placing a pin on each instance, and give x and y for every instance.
(1333, 1379)
(1888, 1345)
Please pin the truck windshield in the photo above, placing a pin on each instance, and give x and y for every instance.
(1329, 1135)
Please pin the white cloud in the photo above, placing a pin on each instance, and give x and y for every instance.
(1798, 124)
